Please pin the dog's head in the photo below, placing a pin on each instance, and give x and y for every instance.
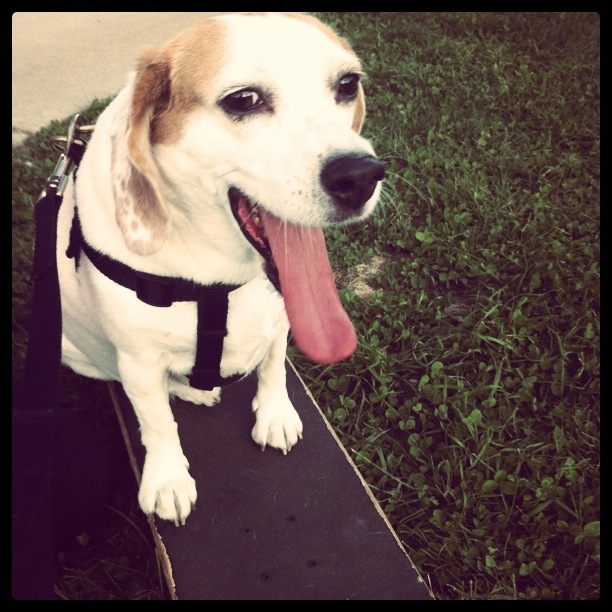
(259, 114)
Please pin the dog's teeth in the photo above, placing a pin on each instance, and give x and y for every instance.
(256, 219)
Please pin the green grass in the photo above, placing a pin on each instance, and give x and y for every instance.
(471, 405)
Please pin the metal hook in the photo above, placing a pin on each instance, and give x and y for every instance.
(66, 144)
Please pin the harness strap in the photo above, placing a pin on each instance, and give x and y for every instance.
(212, 329)
(163, 291)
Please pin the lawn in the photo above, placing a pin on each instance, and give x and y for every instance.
(471, 405)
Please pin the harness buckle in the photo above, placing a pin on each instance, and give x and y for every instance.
(153, 291)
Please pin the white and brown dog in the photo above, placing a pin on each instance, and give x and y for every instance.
(216, 167)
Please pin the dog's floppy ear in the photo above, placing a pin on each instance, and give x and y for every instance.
(141, 213)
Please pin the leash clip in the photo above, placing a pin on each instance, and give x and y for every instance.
(72, 148)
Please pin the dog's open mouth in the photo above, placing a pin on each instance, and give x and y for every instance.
(248, 216)
(298, 266)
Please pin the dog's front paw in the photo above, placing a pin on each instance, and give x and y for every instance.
(277, 424)
(166, 487)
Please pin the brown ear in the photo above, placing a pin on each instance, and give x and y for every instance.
(141, 212)
(359, 115)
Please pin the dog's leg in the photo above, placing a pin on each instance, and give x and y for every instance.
(179, 386)
(277, 422)
(166, 487)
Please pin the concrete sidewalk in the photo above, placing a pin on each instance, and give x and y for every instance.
(62, 61)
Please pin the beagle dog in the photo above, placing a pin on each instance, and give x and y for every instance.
(193, 227)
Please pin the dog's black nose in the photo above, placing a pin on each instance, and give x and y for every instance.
(351, 179)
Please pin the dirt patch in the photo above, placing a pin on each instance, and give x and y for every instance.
(358, 281)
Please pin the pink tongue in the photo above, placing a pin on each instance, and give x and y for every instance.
(320, 326)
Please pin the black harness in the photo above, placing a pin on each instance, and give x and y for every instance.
(162, 291)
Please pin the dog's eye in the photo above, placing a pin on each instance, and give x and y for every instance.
(242, 102)
(347, 87)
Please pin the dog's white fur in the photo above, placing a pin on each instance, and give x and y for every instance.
(156, 199)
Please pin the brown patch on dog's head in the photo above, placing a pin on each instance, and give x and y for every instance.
(168, 84)
(194, 58)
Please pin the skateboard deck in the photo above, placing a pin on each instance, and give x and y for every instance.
(269, 526)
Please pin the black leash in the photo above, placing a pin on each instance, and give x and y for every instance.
(35, 409)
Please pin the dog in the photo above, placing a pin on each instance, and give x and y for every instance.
(202, 196)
